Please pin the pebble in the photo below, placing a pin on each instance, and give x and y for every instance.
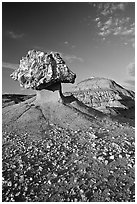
(49, 182)
(106, 162)
(9, 183)
(100, 158)
(111, 157)
(120, 156)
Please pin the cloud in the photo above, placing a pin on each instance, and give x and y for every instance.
(9, 65)
(13, 35)
(132, 41)
(66, 42)
(113, 20)
(131, 73)
(131, 69)
(116, 26)
(110, 7)
(71, 58)
(130, 82)
(69, 45)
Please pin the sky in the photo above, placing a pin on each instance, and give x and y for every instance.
(94, 39)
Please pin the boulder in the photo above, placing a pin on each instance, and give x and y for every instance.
(38, 70)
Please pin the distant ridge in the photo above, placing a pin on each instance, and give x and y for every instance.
(98, 83)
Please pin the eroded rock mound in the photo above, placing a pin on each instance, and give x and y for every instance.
(45, 73)
(107, 96)
(80, 110)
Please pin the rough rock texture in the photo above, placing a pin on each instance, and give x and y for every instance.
(38, 70)
(107, 96)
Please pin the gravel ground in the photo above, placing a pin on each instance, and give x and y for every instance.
(70, 166)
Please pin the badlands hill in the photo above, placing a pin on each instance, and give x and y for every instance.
(80, 149)
(106, 96)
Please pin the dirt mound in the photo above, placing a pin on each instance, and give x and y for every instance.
(33, 117)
